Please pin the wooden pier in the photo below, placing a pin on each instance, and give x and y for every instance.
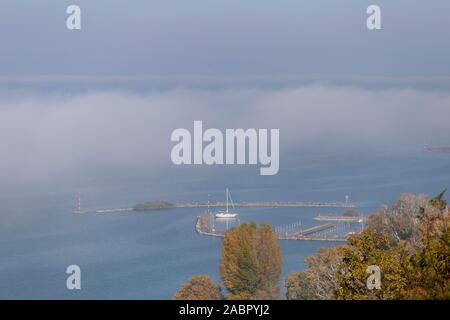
(314, 229)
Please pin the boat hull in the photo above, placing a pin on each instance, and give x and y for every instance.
(226, 215)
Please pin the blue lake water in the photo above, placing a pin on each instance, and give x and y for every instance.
(149, 255)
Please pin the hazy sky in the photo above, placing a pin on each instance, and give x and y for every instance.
(51, 133)
(225, 38)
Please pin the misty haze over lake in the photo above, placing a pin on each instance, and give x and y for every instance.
(92, 111)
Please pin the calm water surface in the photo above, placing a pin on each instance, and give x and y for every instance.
(149, 255)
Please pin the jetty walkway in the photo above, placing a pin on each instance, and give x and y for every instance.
(268, 204)
(205, 225)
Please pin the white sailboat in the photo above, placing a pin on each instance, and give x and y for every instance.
(227, 214)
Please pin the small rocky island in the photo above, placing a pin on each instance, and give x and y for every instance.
(153, 205)
(351, 213)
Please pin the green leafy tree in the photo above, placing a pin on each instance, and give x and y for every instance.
(199, 288)
(368, 249)
(270, 263)
(439, 202)
(431, 265)
(251, 262)
(299, 287)
(409, 242)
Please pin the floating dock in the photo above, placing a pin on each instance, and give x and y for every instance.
(204, 226)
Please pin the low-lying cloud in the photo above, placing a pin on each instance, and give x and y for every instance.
(49, 135)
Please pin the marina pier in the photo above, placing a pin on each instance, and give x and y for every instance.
(205, 225)
(268, 204)
(221, 204)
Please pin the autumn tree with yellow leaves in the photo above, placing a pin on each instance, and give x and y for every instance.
(199, 288)
(251, 262)
(250, 267)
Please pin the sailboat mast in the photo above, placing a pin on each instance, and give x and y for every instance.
(79, 201)
(227, 199)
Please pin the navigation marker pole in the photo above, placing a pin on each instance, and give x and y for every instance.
(79, 202)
